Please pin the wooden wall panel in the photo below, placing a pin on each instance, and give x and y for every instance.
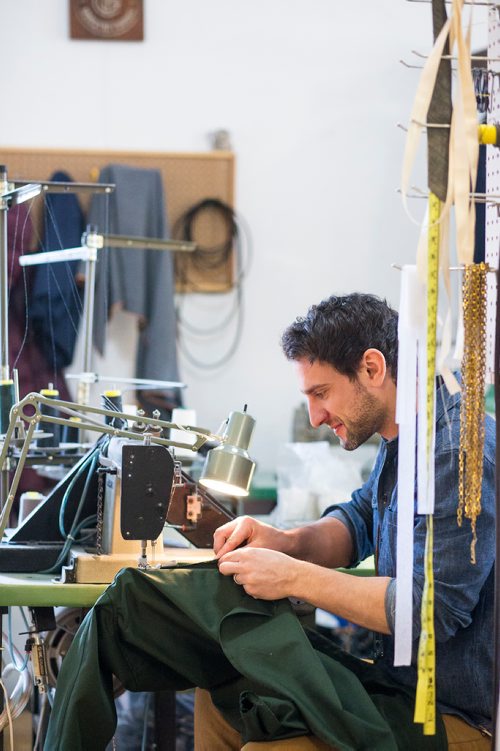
(188, 178)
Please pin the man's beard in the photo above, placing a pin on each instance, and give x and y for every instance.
(365, 423)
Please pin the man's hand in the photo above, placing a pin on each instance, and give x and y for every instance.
(266, 574)
(245, 531)
(272, 575)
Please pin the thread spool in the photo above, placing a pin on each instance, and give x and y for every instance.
(112, 399)
(7, 400)
(28, 503)
(49, 427)
(488, 135)
(70, 434)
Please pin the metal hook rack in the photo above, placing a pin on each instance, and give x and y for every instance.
(485, 3)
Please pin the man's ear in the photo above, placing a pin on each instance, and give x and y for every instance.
(373, 368)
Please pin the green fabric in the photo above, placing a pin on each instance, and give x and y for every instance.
(190, 626)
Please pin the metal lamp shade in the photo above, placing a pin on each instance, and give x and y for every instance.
(228, 468)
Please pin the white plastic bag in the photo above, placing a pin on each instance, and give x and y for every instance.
(315, 475)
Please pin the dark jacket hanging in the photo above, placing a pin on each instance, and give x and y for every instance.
(56, 305)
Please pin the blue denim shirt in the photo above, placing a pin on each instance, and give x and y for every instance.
(463, 591)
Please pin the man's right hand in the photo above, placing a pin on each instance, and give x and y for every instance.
(246, 531)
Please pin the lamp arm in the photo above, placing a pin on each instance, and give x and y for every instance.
(4, 517)
(28, 409)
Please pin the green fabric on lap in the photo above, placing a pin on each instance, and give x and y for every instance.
(190, 626)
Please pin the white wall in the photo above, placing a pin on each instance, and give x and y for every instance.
(311, 91)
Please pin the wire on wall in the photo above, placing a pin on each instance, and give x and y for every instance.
(205, 259)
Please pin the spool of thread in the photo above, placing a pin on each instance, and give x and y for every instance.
(6, 403)
(28, 503)
(489, 135)
(70, 434)
(49, 427)
(113, 400)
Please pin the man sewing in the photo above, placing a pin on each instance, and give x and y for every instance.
(345, 355)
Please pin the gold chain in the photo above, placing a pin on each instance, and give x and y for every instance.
(472, 410)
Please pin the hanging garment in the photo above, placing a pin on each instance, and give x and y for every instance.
(140, 281)
(25, 354)
(55, 300)
(191, 626)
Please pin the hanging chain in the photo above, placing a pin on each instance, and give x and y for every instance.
(178, 482)
(472, 410)
(100, 509)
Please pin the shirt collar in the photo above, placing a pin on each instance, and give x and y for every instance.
(391, 447)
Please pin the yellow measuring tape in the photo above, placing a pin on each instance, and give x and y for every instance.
(425, 703)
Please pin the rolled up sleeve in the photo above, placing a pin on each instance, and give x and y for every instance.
(357, 515)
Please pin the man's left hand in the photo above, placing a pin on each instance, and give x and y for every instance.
(264, 574)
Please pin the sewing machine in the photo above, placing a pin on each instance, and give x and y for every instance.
(129, 480)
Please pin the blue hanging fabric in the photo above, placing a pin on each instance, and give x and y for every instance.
(55, 305)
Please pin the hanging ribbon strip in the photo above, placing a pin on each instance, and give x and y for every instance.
(430, 375)
(418, 116)
(425, 702)
(472, 408)
(427, 366)
(462, 156)
(465, 144)
(410, 323)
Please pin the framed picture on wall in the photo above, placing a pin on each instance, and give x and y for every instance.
(117, 20)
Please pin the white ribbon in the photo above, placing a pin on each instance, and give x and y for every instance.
(410, 325)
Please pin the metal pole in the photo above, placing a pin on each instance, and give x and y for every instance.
(88, 311)
(4, 284)
(88, 320)
(4, 322)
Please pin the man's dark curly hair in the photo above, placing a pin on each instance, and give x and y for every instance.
(339, 330)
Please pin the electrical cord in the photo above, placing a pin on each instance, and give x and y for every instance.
(40, 732)
(206, 260)
(21, 692)
(147, 708)
(215, 364)
(84, 466)
(9, 715)
(208, 257)
(12, 649)
(77, 525)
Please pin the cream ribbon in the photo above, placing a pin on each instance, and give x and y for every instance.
(463, 159)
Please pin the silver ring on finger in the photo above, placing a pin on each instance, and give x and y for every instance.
(235, 578)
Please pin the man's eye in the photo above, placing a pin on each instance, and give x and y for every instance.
(320, 394)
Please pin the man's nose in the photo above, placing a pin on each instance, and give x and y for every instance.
(317, 415)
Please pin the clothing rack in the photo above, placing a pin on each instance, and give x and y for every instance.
(188, 178)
